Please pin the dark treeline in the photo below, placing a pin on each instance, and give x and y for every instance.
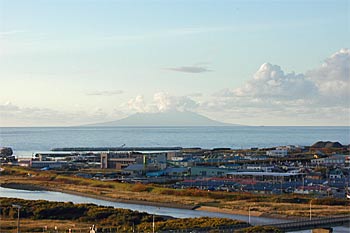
(40, 209)
(105, 217)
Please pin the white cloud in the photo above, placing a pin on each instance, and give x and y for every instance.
(13, 115)
(166, 102)
(190, 69)
(105, 93)
(137, 104)
(333, 78)
(270, 82)
(319, 95)
(8, 106)
(163, 102)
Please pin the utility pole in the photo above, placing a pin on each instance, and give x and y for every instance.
(18, 216)
(249, 215)
(310, 210)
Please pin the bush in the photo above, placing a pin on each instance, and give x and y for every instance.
(260, 229)
(330, 201)
(141, 188)
(191, 223)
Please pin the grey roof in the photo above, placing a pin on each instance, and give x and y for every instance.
(264, 173)
(135, 167)
(176, 169)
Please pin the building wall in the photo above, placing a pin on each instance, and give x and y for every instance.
(209, 171)
(277, 153)
(50, 164)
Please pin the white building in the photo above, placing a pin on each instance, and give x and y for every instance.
(333, 160)
(277, 153)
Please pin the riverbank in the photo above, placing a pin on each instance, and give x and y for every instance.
(275, 206)
(30, 187)
(104, 216)
(20, 186)
(228, 211)
(128, 201)
(246, 213)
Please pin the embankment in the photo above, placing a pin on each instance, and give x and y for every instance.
(31, 187)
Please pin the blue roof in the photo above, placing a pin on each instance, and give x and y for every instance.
(134, 167)
(176, 169)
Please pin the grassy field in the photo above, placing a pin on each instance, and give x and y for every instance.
(227, 202)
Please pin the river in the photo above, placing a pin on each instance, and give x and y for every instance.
(173, 212)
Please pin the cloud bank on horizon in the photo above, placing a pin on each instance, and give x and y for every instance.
(318, 96)
(320, 93)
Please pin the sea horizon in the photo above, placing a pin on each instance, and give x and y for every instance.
(170, 126)
(32, 139)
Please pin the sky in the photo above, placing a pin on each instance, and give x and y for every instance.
(74, 62)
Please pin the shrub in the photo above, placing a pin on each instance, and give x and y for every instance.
(141, 188)
(330, 201)
(260, 229)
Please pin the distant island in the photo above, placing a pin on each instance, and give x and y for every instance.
(170, 118)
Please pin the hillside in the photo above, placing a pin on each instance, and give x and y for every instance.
(174, 118)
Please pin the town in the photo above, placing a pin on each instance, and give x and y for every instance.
(321, 170)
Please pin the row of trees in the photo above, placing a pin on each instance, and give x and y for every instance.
(105, 217)
(68, 211)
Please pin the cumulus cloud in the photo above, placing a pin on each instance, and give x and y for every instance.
(105, 93)
(8, 106)
(163, 102)
(137, 104)
(321, 93)
(166, 102)
(224, 93)
(190, 69)
(12, 114)
(270, 82)
(332, 78)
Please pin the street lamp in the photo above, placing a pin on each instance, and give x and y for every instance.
(153, 223)
(18, 211)
(310, 210)
(250, 206)
(249, 211)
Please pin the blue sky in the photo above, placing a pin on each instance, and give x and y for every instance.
(67, 62)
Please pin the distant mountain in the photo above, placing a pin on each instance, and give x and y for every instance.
(173, 118)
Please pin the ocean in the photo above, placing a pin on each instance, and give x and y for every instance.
(26, 140)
